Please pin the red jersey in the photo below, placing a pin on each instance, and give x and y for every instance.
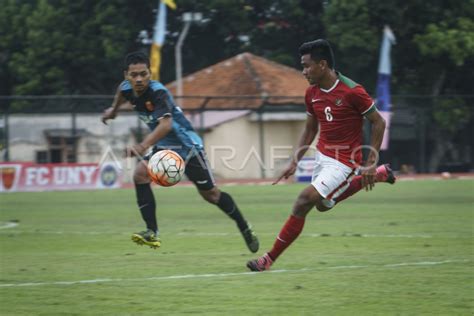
(340, 112)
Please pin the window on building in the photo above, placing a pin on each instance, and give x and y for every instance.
(62, 149)
(56, 155)
(42, 156)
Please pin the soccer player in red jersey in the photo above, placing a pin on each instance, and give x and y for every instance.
(336, 107)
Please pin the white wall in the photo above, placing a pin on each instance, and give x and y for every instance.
(27, 134)
(25, 151)
(234, 148)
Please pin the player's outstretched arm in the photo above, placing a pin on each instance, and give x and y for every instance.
(306, 138)
(378, 129)
(119, 103)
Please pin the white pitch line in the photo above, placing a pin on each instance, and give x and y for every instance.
(5, 225)
(223, 275)
(348, 267)
(423, 263)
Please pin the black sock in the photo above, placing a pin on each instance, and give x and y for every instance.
(146, 204)
(227, 204)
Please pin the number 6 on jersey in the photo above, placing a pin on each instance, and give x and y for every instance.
(327, 111)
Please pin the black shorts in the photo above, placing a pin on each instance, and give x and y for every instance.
(197, 170)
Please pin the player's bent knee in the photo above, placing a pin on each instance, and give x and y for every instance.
(305, 202)
(212, 196)
(302, 206)
(140, 174)
(322, 208)
(325, 205)
(213, 199)
(302, 203)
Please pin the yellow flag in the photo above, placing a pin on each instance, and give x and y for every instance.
(159, 37)
(155, 61)
(170, 3)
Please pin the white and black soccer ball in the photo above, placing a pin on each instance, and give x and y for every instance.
(166, 168)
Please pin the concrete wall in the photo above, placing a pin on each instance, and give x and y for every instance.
(25, 151)
(228, 146)
(27, 134)
(234, 149)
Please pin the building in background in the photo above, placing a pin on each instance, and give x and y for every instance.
(249, 110)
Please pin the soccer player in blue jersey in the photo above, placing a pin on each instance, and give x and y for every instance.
(169, 129)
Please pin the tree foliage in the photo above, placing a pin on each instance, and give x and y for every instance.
(76, 47)
(455, 42)
(67, 47)
(12, 39)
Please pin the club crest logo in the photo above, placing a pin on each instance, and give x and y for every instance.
(149, 106)
(146, 118)
(9, 176)
(338, 102)
(108, 176)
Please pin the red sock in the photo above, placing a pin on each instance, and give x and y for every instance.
(356, 184)
(354, 187)
(289, 232)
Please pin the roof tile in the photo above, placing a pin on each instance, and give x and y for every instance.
(244, 81)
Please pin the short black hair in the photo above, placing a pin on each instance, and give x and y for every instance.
(136, 58)
(319, 49)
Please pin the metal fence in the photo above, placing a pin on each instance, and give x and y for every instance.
(427, 134)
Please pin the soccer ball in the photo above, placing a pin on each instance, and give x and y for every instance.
(166, 168)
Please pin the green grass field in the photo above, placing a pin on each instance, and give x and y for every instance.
(405, 249)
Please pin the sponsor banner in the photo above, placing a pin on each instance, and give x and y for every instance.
(304, 172)
(24, 177)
